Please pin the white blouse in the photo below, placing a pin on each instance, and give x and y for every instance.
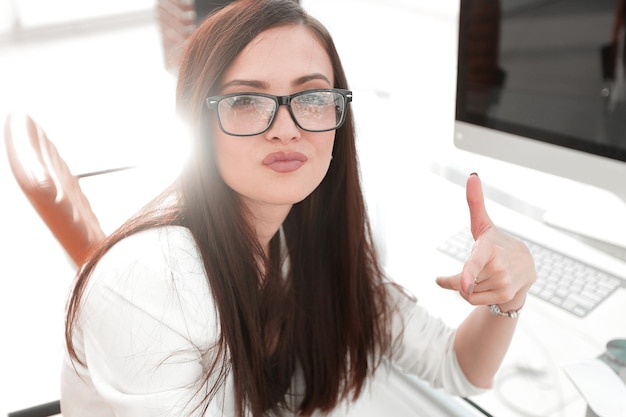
(146, 318)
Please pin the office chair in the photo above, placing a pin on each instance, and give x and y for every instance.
(52, 408)
(55, 193)
(51, 188)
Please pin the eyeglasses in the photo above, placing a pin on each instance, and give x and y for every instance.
(249, 114)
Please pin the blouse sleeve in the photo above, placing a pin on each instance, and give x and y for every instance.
(145, 327)
(424, 346)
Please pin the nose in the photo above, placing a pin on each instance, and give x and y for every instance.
(283, 126)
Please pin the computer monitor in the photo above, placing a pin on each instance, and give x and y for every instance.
(541, 84)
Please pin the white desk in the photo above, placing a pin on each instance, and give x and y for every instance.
(531, 381)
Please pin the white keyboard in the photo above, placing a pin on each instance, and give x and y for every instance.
(561, 280)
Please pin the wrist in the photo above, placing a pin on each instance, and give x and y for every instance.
(495, 310)
(509, 309)
(515, 304)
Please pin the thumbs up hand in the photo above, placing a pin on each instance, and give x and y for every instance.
(500, 269)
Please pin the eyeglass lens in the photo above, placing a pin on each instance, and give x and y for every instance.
(250, 114)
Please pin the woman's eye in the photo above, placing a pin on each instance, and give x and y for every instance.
(242, 101)
(317, 99)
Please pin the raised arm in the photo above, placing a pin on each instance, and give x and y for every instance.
(497, 275)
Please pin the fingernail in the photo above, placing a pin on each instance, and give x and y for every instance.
(473, 173)
(470, 289)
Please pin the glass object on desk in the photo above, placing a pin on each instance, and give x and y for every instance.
(615, 357)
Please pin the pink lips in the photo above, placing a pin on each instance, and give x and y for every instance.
(284, 161)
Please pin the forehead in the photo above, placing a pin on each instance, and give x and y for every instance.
(280, 55)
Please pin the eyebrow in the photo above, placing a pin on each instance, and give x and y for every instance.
(263, 85)
(246, 83)
(315, 76)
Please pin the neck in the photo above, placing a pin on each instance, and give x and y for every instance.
(267, 219)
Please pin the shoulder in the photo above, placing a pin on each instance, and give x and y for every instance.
(155, 246)
(152, 271)
(165, 252)
(147, 320)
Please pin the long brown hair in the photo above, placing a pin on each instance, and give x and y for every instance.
(330, 315)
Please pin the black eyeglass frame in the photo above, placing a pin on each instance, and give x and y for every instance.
(213, 102)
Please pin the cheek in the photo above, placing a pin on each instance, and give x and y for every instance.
(325, 146)
(228, 157)
(324, 155)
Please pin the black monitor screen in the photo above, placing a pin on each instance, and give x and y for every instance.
(547, 70)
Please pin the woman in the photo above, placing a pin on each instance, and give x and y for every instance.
(251, 286)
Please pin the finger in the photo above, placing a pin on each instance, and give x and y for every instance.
(479, 219)
(474, 266)
(452, 282)
(484, 284)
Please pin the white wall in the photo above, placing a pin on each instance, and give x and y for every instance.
(34, 14)
(6, 17)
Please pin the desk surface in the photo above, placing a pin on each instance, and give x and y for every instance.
(531, 381)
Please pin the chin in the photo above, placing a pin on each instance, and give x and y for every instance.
(284, 201)
(288, 198)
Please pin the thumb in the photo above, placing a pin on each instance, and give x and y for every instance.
(452, 282)
(479, 219)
